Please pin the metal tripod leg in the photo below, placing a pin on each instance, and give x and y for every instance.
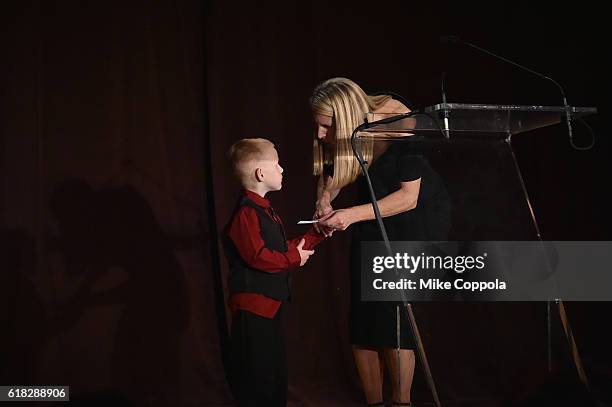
(564, 320)
(548, 337)
(574, 349)
(422, 355)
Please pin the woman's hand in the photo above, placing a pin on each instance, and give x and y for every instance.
(337, 220)
(322, 209)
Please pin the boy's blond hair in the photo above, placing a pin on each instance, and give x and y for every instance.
(246, 153)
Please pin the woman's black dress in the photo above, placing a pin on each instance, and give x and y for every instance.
(373, 324)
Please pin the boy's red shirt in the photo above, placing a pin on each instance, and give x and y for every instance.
(245, 232)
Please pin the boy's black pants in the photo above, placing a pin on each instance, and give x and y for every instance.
(259, 364)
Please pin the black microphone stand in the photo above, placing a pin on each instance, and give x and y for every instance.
(568, 110)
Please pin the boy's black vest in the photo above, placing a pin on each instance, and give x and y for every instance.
(245, 279)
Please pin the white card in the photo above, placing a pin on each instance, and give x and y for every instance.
(304, 222)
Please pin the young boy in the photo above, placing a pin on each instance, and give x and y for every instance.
(260, 257)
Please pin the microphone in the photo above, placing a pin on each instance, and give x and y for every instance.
(453, 39)
(445, 110)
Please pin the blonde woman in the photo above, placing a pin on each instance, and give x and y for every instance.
(413, 203)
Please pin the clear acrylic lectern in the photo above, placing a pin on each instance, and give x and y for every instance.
(472, 152)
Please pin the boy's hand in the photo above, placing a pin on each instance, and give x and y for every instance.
(304, 254)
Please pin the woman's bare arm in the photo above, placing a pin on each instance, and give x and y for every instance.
(402, 200)
(325, 196)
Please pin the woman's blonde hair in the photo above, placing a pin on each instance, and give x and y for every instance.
(347, 104)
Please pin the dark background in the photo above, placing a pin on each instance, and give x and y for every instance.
(115, 120)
